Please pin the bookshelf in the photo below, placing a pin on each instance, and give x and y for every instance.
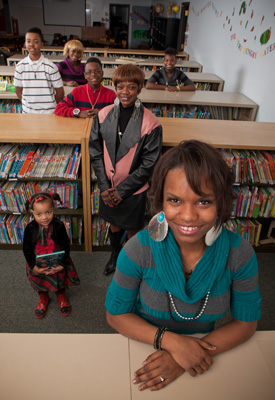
(245, 135)
(213, 82)
(220, 105)
(50, 129)
(111, 62)
(110, 52)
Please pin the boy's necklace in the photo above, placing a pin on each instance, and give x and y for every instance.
(35, 62)
(93, 105)
(34, 70)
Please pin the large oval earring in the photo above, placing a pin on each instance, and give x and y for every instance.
(158, 227)
(212, 235)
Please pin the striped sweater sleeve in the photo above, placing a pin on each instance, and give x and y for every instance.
(245, 294)
(123, 290)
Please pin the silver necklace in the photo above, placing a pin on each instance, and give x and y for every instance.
(34, 70)
(198, 314)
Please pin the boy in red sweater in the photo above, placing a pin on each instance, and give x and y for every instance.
(85, 101)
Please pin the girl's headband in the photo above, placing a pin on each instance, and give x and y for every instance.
(39, 198)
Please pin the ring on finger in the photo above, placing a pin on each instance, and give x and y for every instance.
(161, 378)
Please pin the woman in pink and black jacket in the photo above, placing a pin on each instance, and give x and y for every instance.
(125, 144)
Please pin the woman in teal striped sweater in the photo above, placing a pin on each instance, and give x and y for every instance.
(186, 271)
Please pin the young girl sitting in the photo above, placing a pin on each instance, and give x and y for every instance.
(47, 234)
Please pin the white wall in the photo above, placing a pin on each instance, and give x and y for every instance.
(230, 50)
(30, 13)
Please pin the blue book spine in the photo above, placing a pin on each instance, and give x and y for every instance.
(74, 158)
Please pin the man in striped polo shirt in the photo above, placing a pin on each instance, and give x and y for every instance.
(37, 81)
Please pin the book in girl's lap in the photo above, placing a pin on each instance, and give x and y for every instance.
(47, 234)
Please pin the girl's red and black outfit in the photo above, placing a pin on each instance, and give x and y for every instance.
(39, 240)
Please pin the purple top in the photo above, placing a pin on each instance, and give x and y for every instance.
(68, 73)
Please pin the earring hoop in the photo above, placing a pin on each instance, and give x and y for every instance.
(158, 227)
(212, 235)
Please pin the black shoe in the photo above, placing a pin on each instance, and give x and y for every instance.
(111, 264)
(115, 239)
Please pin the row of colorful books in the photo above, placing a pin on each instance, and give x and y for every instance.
(249, 229)
(12, 227)
(177, 111)
(254, 202)
(225, 113)
(251, 166)
(74, 227)
(203, 86)
(10, 106)
(14, 194)
(39, 161)
(100, 232)
(8, 79)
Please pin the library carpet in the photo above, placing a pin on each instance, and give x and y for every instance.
(18, 300)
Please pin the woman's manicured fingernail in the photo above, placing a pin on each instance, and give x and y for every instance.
(141, 388)
(134, 381)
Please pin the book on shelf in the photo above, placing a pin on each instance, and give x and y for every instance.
(7, 86)
(248, 229)
(26, 164)
(49, 259)
(271, 161)
(3, 86)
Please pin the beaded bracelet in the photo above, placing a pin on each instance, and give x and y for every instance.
(158, 338)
